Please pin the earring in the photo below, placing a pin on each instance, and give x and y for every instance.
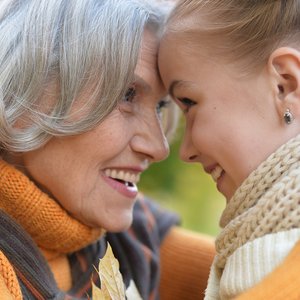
(288, 116)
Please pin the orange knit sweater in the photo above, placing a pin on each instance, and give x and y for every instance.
(185, 256)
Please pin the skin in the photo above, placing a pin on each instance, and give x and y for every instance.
(71, 169)
(233, 121)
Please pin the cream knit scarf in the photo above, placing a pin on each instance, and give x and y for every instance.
(267, 202)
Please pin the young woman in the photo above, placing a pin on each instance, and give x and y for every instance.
(233, 68)
(80, 107)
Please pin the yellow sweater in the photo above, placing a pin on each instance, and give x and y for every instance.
(185, 257)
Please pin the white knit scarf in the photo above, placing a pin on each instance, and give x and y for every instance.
(267, 202)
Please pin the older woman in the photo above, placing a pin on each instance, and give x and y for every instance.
(81, 108)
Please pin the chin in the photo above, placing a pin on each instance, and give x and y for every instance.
(111, 221)
(117, 221)
(121, 224)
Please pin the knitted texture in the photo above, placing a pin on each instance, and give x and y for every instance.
(252, 262)
(282, 283)
(9, 277)
(34, 276)
(267, 202)
(49, 224)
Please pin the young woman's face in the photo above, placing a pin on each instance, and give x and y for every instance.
(94, 175)
(231, 121)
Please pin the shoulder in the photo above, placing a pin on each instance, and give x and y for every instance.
(9, 285)
(186, 258)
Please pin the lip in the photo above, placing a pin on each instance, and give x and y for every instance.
(127, 191)
(210, 168)
(219, 182)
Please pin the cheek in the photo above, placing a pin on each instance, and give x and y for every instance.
(53, 169)
(42, 165)
(204, 131)
(239, 156)
(69, 182)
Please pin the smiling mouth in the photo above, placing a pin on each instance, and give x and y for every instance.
(127, 178)
(216, 173)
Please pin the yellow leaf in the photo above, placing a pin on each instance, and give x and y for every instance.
(110, 276)
(99, 294)
(112, 286)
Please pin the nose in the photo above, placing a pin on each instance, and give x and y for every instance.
(150, 139)
(188, 152)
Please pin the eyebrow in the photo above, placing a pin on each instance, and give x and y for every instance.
(142, 82)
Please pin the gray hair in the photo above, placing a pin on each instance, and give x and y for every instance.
(61, 48)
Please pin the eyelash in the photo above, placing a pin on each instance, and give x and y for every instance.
(186, 103)
(161, 105)
(130, 94)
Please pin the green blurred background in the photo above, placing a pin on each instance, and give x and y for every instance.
(186, 189)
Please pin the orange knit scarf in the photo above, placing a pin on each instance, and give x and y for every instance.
(55, 232)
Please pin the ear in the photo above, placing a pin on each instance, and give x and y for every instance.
(284, 68)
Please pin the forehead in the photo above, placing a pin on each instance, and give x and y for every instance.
(186, 65)
(186, 44)
(181, 47)
(176, 55)
(147, 66)
(148, 52)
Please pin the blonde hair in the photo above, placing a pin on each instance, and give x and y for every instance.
(64, 48)
(239, 31)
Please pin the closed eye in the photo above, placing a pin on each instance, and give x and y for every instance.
(186, 103)
(128, 100)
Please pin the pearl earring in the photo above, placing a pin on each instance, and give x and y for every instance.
(288, 116)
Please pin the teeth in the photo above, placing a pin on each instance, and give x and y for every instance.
(122, 175)
(132, 178)
(126, 177)
(216, 173)
(113, 173)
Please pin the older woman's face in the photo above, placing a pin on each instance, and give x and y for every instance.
(94, 175)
